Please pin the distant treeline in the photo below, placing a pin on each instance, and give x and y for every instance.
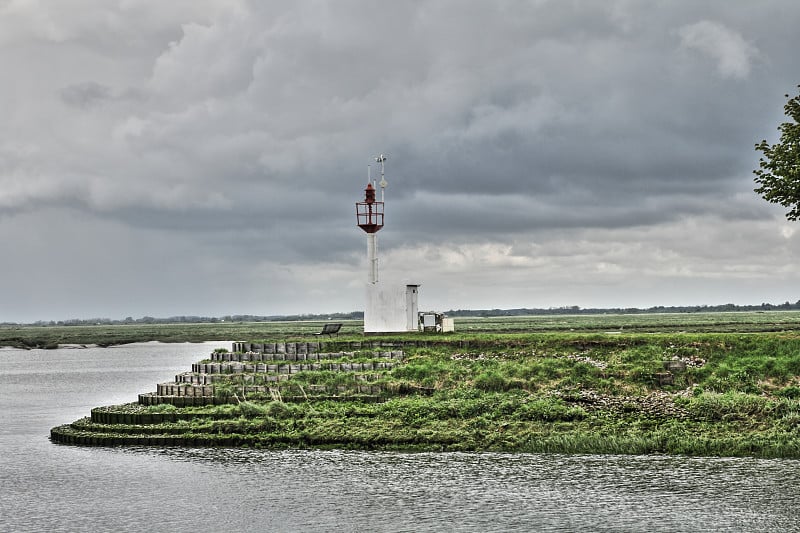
(359, 315)
(355, 315)
(575, 310)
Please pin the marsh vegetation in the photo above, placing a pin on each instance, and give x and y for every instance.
(722, 393)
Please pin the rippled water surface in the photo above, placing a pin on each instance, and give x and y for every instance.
(47, 487)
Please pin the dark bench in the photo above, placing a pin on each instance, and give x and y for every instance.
(330, 329)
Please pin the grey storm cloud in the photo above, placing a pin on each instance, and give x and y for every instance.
(85, 94)
(236, 135)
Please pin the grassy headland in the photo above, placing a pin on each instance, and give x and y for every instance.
(732, 394)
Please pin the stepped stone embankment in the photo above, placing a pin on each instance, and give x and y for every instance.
(264, 366)
(252, 370)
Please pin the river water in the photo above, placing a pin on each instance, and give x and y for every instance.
(48, 487)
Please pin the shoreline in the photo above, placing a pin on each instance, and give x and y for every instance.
(692, 394)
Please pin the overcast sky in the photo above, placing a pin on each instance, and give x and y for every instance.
(203, 157)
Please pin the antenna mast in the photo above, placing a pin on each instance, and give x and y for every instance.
(382, 159)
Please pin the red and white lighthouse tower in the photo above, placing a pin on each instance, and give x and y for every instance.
(369, 215)
(390, 308)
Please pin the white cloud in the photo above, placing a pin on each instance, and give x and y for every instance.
(732, 53)
(693, 261)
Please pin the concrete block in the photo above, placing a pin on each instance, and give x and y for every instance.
(675, 365)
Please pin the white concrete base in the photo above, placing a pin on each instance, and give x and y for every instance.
(391, 308)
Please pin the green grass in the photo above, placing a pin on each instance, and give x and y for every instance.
(108, 335)
(567, 392)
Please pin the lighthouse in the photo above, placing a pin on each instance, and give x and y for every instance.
(390, 308)
(369, 214)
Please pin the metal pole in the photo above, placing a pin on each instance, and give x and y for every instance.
(372, 257)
